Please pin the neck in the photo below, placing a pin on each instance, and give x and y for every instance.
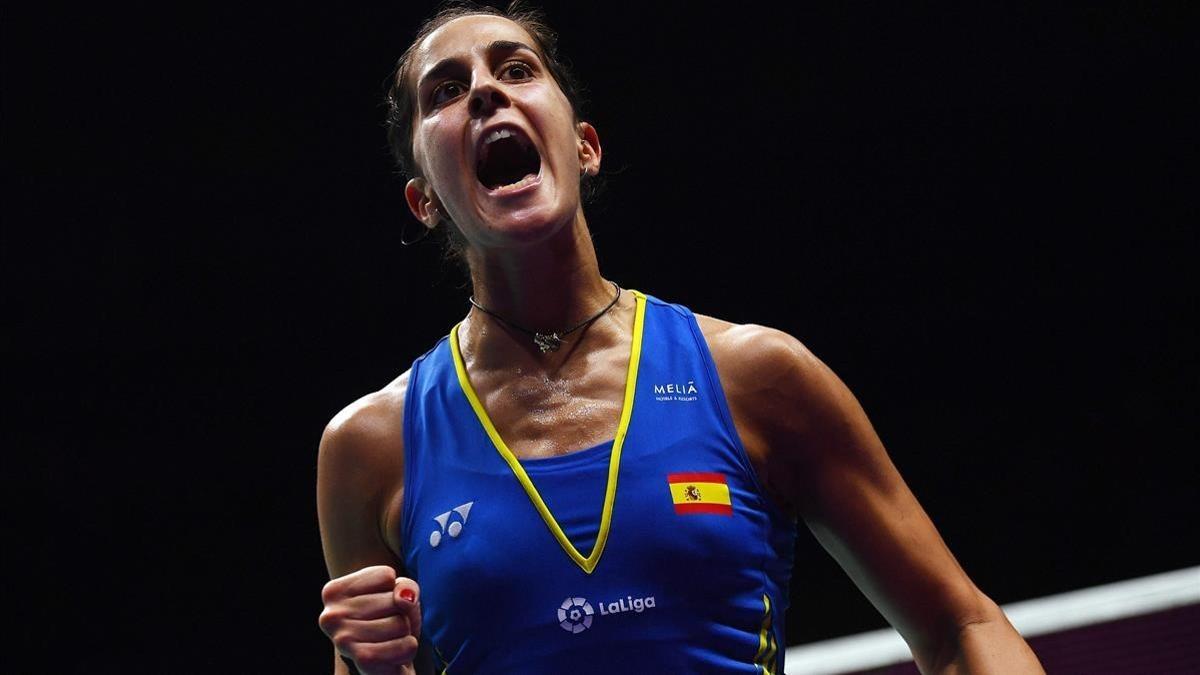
(545, 287)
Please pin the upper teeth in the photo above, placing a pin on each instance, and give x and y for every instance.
(497, 135)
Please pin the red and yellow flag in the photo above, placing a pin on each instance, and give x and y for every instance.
(700, 493)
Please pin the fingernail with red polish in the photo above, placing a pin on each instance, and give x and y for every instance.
(408, 595)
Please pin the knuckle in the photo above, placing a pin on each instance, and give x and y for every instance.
(330, 618)
(366, 656)
(391, 628)
(334, 590)
(347, 643)
(408, 648)
(395, 652)
(380, 573)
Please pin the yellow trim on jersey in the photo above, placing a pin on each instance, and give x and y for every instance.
(765, 658)
(445, 663)
(610, 492)
(705, 493)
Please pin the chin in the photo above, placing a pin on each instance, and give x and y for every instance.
(526, 227)
(526, 219)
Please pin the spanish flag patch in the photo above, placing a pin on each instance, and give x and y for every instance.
(700, 493)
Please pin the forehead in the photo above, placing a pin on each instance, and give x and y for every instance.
(461, 37)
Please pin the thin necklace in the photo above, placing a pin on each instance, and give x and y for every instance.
(550, 342)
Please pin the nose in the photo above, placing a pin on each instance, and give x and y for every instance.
(486, 96)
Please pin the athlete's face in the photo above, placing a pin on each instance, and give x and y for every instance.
(494, 137)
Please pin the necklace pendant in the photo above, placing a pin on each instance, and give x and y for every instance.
(547, 342)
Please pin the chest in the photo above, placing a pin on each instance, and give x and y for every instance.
(541, 413)
(639, 506)
(685, 526)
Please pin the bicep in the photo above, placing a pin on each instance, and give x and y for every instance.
(360, 474)
(356, 478)
(348, 512)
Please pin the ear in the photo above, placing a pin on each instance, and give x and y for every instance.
(589, 149)
(423, 202)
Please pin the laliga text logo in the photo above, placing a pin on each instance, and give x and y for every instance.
(575, 614)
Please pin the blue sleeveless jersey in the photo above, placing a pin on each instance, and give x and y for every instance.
(657, 551)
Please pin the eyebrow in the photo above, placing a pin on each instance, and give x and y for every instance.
(446, 65)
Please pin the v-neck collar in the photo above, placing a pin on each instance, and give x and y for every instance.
(614, 464)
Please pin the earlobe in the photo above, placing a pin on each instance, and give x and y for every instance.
(423, 202)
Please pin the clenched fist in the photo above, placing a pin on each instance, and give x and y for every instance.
(374, 619)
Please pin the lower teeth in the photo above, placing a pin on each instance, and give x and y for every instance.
(521, 183)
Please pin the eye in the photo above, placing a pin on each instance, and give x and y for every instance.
(446, 91)
(515, 70)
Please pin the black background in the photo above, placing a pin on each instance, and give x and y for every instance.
(981, 217)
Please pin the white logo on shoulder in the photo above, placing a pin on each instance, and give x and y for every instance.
(676, 391)
(447, 524)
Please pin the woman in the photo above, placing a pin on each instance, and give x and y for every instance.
(582, 478)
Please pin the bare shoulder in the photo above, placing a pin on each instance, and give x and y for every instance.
(360, 477)
(751, 341)
(369, 426)
(775, 381)
(776, 390)
(752, 358)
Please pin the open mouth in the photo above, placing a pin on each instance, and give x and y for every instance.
(507, 159)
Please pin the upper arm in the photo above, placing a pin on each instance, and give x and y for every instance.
(360, 471)
(823, 461)
(360, 481)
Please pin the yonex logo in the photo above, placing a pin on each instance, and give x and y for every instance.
(448, 526)
(575, 615)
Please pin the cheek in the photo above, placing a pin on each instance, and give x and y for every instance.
(549, 109)
(438, 152)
